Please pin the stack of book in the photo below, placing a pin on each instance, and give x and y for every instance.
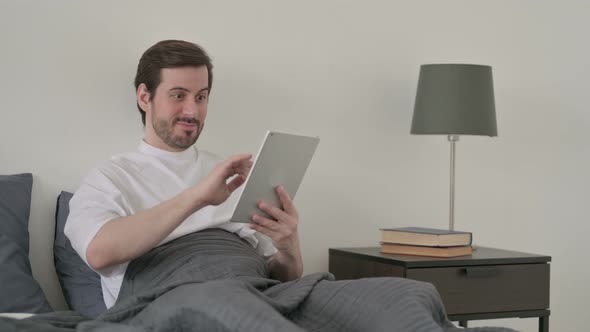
(426, 242)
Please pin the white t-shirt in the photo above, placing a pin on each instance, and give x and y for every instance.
(131, 182)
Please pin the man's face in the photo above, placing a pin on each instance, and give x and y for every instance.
(176, 114)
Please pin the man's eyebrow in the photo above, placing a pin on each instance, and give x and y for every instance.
(179, 88)
(187, 90)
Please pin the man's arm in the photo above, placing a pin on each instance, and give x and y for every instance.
(287, 263)
(285, 266)
(123, 239)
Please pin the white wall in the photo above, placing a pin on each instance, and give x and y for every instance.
(344, 70)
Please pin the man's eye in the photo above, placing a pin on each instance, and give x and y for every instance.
(201, 97)
(177, 96)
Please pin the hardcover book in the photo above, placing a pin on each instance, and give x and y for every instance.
(430, 237)
(402, 249)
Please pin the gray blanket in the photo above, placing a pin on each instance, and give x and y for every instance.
(214, 281)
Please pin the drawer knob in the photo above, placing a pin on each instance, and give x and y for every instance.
(481, 272)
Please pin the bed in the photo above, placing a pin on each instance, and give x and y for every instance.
(206, 281)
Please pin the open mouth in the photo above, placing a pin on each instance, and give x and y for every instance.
(187, 124)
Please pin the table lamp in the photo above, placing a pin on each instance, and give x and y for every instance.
(454, 100)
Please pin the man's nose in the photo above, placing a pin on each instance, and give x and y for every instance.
(190, 108)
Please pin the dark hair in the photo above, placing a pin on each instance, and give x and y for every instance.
(168, 54)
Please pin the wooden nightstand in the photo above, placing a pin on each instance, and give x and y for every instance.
(491, 283)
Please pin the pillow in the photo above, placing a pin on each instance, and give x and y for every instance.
(80, 284)
(20, 292)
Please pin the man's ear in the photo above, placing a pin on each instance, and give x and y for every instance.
(143, 97)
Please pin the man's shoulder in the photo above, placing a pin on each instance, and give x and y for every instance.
(127, 159)
(109, 168)
(118, 161)
(136, 162)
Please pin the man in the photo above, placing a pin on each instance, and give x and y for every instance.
(137, 201)
(155, 225)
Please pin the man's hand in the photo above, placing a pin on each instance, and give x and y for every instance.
(214, 188)
(286, 264)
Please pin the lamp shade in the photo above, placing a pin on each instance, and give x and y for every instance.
(455, 99)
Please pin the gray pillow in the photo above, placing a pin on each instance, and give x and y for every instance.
(20, 292)
(80, 285)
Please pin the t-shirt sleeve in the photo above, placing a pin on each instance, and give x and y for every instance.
(97, 201)
(265, 246)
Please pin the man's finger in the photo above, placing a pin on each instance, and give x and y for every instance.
(242, 167)
(286, 201)
(235, 183)
(228, 166)
(265, 222)
(273, 211)
(264, 230)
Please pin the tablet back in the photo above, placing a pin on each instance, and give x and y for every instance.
(282, 160)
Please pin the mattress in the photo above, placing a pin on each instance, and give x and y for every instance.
(16, 315)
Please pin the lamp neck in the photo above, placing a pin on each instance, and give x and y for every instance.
(452, 140)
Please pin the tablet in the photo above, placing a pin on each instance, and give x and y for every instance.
(281, 160)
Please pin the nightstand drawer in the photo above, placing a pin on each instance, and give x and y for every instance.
(488, 288)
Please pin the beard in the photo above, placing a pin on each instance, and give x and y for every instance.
(165, 131)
